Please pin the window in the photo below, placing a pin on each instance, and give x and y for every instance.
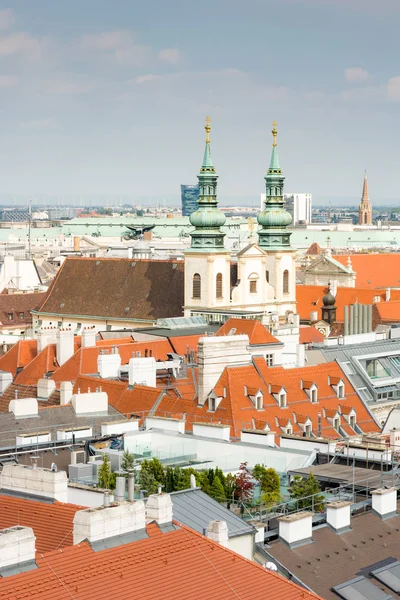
(259, 402)
(211, 404)
(21, 315)
(146, 353)
(196, 293)
(352, 421)
(218, 286)
(282, 399)
(336, 424)
(307, 430)
(269, 359)
(253, 286)
(340, 391)
(286, 281)
(267, 276)
(314, 395)
(9, 316)
(289, 430)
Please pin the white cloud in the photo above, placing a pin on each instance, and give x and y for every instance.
(393, 89)
(121, 46)
(8, 80)
(7, 18)
(67, 85)
(170, 55)
(356, 75)
(21, 44)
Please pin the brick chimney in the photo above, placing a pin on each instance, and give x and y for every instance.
(217, 531)
(159, 508)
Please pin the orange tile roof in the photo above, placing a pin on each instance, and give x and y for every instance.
(309, 299)
(52, 522)
(310, 334)
(184, 343)
(258, 334)
(176, 564)
(374, 270)
(18, 356)
(44, 362)
(388, 311)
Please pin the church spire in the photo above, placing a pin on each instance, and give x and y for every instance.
(365, 208)
(274, 219)
(207, 219)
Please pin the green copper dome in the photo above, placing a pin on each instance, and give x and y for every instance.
(274, 219)
(207, 219)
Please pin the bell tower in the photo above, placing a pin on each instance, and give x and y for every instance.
(365, 208)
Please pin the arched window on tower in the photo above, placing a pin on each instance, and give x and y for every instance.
(253, 279)
(267, 276)
(218, 286)
(196, 292)
(286, 281)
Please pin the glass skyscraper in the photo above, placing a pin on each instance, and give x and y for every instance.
(190, 199)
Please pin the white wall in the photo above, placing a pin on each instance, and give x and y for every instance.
(90, 497)
(243, 545)
(208, 265)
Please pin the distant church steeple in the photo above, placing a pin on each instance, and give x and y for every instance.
(365, 208)
(207, 219)
(274, 219)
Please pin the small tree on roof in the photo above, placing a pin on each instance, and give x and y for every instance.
(244, 484)
(307, 493)
(104, 474)
(128, 461)
(217, 490)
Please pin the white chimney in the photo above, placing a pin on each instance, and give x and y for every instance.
(24, 407)
(338, 516)
(296, 529)
(216, 353)
(217, 531)
(97, 524)
(46, 336)
(35, 481)
(159, 508)
(120, 485)
(65, 392)
(91, 402)
(45, 388)
(108, 365)
(17, 546)
(313, 316)
(88, 337)
(143, 371)
(384, 502)
(5, 380)
(65, 345)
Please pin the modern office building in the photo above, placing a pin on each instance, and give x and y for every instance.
(298, 205)
(190, 199)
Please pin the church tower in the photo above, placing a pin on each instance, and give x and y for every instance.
(365, 208)
(274, 238)
(207, 261)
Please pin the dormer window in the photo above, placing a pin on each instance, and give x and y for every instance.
(282, 399)
(338, 386)
(352, 421)
(336, 423)
(307, 430)
(340, 390)
(212, 404)
(289, 430)
(314, 395)
(259, 402)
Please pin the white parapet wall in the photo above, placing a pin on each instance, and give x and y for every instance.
(6, 379)
(95, 524)
(17, 546)
(24, 407)
(77, 433)
(212, 430)
(119, 426)
(261, 438)
(26, 439)
(90, 402)
(36, 481)
(166, 424)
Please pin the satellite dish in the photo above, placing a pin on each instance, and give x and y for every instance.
(270, 566)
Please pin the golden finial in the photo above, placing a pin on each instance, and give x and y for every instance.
(274, 133)
(208, 129)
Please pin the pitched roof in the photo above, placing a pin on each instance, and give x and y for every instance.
(18, 356)
(309, 299)
(314, 249)
(374, 270)
(175, 564)
(258, 334)
(18, 307)
(117, 288)
(387, 312)
(310, 334)
(52, 522)
(26, 391)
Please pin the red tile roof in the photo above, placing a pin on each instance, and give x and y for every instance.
(52, 522)
(44, 362)
(258, 334)
(374, 270)
(176, 564)
(310, 334)
(387, 312)
(18, 307)
(18, 356)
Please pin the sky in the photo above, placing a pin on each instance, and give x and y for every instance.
(106, 99)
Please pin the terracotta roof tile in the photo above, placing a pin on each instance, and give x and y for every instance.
(258, 334)
(21, 354)
(19, 307)
(309, 334)
(374, 270)
(176, 564)
(26, 391)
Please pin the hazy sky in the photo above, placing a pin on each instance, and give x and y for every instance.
(109, 97)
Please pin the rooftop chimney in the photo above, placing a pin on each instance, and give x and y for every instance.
(143, 371)
(214, 354)
(103, 522)
(296, 529)
(35, 481)
(384, 502)
(338, 516)
(217, 531)
(65, 345)
(17, 547)
(46, 336)
(89, 337)
(45, 388)
(120, 489)
(108, 365)
(159, 508)
(92, 402)
(23, 407)
(131, 486)
(65, 392)
(5, 380)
